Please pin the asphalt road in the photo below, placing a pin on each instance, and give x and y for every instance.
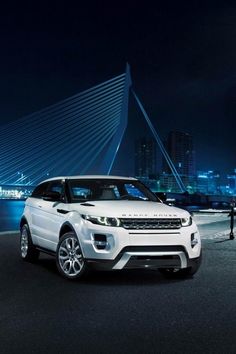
(117, 312)
(215, 230)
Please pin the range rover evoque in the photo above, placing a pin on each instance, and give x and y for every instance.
(110, 223)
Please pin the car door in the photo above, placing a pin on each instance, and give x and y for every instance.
(35, 211)
(50, 218)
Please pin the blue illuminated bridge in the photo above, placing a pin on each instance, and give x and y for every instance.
(79, 135)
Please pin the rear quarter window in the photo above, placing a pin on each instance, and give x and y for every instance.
(40, 190)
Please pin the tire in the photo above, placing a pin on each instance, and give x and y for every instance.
(69, 257)
(27, 249)
(183, 272)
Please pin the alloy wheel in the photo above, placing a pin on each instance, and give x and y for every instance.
(24, 243)
(70, 257)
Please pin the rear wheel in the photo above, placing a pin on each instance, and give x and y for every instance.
(69, 258)
(27, 248)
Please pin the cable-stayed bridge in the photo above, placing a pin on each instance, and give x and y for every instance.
(79, 135)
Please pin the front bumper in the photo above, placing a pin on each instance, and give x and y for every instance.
(139, 248)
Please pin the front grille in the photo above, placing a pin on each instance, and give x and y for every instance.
(151, 224)
(168, 261)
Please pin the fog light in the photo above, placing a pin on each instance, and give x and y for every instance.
(100, 241)
(194, 241)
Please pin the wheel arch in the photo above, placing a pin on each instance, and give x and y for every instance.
(23, 221)
(66, 227)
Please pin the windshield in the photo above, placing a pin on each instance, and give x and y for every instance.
(82, 190)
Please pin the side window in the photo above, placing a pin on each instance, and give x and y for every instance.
(55, 186)
(40, 190)
(59, 187)
(81, 192)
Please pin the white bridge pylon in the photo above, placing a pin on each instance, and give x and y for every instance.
(79, 135)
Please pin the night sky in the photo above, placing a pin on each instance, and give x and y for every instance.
(182, 56)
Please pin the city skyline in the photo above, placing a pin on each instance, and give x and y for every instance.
(177, 145)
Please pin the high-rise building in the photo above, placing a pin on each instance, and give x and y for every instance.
(179, 146)
(181, 151)
(231, 178)
(145, 158)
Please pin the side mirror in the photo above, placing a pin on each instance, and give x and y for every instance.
(52, 196)
(162, 196)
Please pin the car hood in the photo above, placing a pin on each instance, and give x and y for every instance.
(129, 209)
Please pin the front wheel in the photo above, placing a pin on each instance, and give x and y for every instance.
(69, 258)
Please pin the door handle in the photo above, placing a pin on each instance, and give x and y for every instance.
(62, 211)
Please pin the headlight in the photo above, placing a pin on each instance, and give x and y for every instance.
(187, 221)
(102, 220)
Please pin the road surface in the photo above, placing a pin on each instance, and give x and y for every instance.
(117, 312)
(213, 226)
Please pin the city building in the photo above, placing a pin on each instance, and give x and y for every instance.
(145, 158)
(208, 182)
(231, 179)
(180, 148)
(168, 183)
(15, 191)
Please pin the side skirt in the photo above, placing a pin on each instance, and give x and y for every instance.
(45, 250)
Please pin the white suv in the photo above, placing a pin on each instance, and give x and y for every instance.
(108, 222)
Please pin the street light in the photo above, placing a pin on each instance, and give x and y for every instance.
(231, 235)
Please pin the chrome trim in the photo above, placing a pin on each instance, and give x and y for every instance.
(183, 259)
(126, 256)
(122, 262)
(163, 232)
